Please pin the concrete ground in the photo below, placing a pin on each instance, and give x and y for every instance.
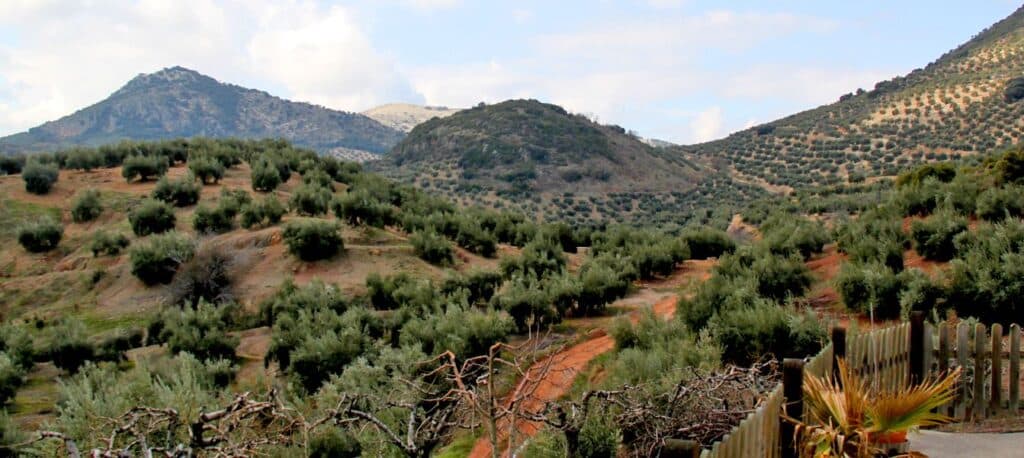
(936, 444)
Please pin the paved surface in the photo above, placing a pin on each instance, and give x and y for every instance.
(950, 445)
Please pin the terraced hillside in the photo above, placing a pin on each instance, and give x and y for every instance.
(965, 102)
(540, 159)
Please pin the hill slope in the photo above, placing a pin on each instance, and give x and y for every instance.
(962, 103)
(405, 116)
(538, 158)
(178, 102)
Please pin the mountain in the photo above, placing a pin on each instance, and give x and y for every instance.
(178, 102)
(405, 116)
(541, 159)
(966, 101)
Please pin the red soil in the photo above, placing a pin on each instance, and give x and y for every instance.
(564, 367)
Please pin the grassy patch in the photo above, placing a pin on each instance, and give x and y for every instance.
(14, 213)
(460, 446)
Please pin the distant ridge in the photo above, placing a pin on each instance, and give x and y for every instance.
(179, 102)
(406, 116)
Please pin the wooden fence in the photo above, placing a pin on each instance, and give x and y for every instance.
(892, 357)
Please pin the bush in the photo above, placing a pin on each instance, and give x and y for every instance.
(313, 239)
(986, 280)
(528, 304)
(213, 220)
(464, 331)
(267, 212)
(933, 238)
(70, 348)
(789, 235)
(109, 244)
(143, 167)
(207, 169)
(997, 204)
(748, 333)
(86, 206)
(207, 277)
(601, 282)
(599, 437)
(333, 442)
(157, 260)
(433, 248)
(41, 236)
(358, 207)
(867, 286)
(151, 217)
(706, 242)
(11, 165)
(39, 178)
(199, 331)
(181, 192)
(310, 200)
(11, 377)
(265, 177)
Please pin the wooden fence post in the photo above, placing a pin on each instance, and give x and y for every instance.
(979, 371)
(916, 347)
(793, 391)
(679, 448)
(996, 396)
(838, 349)
(1014, 368)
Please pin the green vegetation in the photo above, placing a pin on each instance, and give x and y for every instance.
(108, 244)
(156, 260)
(151, 217)
(313, 239)
(143, 167)
(41, 236)
(181, 192)
(39, 177)
(86, 206)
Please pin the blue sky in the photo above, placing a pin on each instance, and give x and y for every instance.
(685, 71)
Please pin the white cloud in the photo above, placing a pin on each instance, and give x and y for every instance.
(666, 4)
(428, 5)
(806, 84)
(707, 125)
(69, 54)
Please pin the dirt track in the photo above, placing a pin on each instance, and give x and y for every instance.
(566, 365)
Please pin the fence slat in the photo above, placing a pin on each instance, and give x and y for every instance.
(944, 360)
(962, 353)
(996, 397)
(1014, 368)
(979, 371)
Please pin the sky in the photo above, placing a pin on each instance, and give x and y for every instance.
(680, 70)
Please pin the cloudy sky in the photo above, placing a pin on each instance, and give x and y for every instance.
(681, 70)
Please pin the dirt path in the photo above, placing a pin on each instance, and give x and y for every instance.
(564, 367)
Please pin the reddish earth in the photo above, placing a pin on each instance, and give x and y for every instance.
(563, 367)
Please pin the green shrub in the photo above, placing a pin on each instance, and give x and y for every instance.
(40, 236)
(181, 192)
(291, 299)
(986, 279)
(601, 281)
(464, 331)
(359, 207)
(539, 258)
(310, 200)
(70, 348)
(748, 333)
(208, 276)
(933, 237)
(157, 260)
(943, 172)
(86, 206)
(317, 177)
(39, 178)
(787, 235)
(267, 212)
(11, 165)
(199, 331)
(433, 248)
(313, 239)
(17, 344)
(11, 377)
(706, 242)
(864, 287)
(151, 217)
(599, 437)
(921, 293)
(996, 204)
(107, 243)
(143, 167)
(333, 442)
(528, 304)
(207, 169)
(217, 220)
(265, 177)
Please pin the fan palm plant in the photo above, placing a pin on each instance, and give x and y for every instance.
(850, 418)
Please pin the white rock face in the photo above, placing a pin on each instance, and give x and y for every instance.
(405, 116)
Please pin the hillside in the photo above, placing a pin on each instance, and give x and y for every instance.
(405, 116)
(965, 102)
(178, 102)
(538, 158)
